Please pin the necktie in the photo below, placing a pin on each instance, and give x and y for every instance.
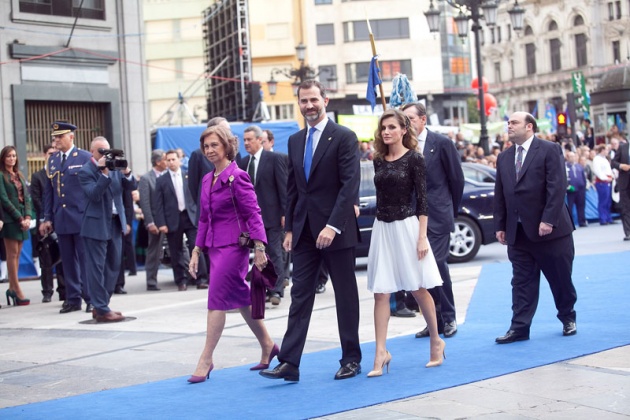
(63, 160)
(308, 152)
(519, 161)
(251, 170)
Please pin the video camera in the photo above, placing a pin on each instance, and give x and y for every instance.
(114, 159)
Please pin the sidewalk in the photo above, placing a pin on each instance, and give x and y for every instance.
(46, 355)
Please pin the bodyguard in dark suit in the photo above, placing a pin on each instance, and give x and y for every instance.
(531, 218)
(621, 162)
(175, 216)
(323, 184)
(268, 172)
(102, 227)
(64, 205)
(127, 250)
(445, 186)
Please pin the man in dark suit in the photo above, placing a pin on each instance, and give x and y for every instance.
(175, 216)
(64, 204)
(322, 186)
(102, 227)
(268, 172)
(445, 187)
(531, 218)
(127, 256)
(146, 188)
(621, 162)
(45, 246)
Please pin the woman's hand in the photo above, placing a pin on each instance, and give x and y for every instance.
(25, 224)
(194, 263)
(422, 248)
(260, 259)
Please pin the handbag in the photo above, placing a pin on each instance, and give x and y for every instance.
(244, 240)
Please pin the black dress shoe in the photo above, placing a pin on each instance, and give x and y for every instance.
(182, 287)
(404, 313)
(511, 336)
(89, 308)
(285, 371)
(349, 370)
(450, 329)
(153, 288)
(425, 332)
(321, 288)
(66, 307)
(569, 328)
(275, 298)
(202, 286)
(46, 299)
(120, 290)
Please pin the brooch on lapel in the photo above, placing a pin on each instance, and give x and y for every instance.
(231, 178)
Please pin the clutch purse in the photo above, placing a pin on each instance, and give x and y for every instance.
(244, 240)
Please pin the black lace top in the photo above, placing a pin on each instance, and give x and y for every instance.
(401, 188)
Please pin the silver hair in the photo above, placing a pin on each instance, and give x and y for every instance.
(255, 129)
(156, 156)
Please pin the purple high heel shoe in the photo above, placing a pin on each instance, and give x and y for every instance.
(274, 352)
(198, 379)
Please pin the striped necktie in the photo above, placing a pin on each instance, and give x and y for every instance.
(519, 161)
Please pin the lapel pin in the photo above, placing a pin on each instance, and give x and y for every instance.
(329, 138)
(431, 150)
(74, 154)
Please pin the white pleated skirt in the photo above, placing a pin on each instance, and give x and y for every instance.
(393, 262)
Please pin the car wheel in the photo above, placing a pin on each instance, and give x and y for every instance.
(465, 240)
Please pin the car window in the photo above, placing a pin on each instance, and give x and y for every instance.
(477, 175)
(367, 188)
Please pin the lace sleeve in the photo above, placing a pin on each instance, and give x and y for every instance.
(418, 171)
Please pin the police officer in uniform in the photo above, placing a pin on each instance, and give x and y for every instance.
(64, 204)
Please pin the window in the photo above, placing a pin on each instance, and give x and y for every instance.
(325, 34)
(554, 51)
(618, 9)
(578, 21)
(282, 112)
(611, 11)
(358, 72)
(492, 38)
(509, 31)
(91, 9)
(529, 31)
(532, 108)
(497, 72)
(530, 58)
(553, 26)
(382, 29)
(323, 2)
(616, 52)
(325, 73)
(580, 50)
(498, 34)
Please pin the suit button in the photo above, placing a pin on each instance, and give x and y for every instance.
(61, 174)
(62, 185)
(64, 206)
(63, 195)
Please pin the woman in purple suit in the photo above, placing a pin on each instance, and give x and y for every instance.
(228, 206)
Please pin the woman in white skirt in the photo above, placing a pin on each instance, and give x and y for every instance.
(400, 257)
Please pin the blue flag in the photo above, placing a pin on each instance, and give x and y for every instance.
(373, 81)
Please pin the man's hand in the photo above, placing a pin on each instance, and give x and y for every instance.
(357, 211)
(127, 230)
(153, 230)
(501, 237)
(45, 228)
(544, 229)
(101, 164)
(163, 229)
(624, 167)
(325, 238)
(282, 222)
(287, 241)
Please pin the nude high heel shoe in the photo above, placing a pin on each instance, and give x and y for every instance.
(441, 354)
(379, 372)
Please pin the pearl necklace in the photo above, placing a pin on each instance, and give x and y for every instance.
(216, 174)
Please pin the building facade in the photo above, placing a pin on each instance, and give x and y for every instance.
(62, 62)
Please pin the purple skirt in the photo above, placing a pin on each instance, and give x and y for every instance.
(227, 288)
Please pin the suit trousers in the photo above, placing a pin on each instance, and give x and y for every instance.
(103, 260)
(577, 198)
(275, 237)
(180, 258)
(624, 200)
(307, 260)
(442, 295)
(555, 259)
(48, 271)
(128, 259)
(604, 201)
(152, 260)
(71, 248)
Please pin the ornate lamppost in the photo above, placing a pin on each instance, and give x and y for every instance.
(475, 10)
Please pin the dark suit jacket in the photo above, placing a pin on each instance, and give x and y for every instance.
(166, 211)
(101, 191)
(538, 196)
(445, 182)
(332, 188)
(622, 156)
(270, 187)
(198, 167)
(38, 183)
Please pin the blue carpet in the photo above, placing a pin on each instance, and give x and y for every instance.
(472, 356)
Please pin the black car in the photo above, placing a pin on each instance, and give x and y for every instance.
(473, 226)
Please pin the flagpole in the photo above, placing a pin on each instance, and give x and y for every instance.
(380, 86)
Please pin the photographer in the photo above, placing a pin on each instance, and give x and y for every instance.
(104, 223)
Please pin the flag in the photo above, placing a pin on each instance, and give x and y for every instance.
(373, 81)
(551, 115)
(503, 110)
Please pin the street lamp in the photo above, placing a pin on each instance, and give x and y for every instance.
(304, 72)
(472, 9)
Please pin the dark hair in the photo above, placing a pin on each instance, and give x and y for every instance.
(3, 155)
(586, 120)
(307, 84)
(529, 119)
(409, 138)
(215, 121)
(269, 135)
(170, 151)
(46, 148)
(227, 139)
(420, 109)
(156, 156)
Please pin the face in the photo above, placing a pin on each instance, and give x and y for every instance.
(63, 142)
(312, 105)
(101, 144)
(214, 149)
(417, 122)
(391, 131)
(252, 143)
(266, 143)
(173, 162)
(518, 131)
(10, 159)
(135, 195)
(49, 153)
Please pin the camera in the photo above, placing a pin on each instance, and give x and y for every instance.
(114, 159)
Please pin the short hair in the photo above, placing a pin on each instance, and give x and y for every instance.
(255, 129)
(599, 148)
(171, 151)
(227, 139)
(529, 119)
(46, 148)
(420, 109)
(307, 84)
(269, 135)
(215, 121)
(409, 138)
(156, 156)
(586, 120)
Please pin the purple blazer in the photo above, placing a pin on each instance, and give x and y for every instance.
(218, 225)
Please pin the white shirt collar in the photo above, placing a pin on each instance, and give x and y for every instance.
(173, 173)
(423, 136)
(527, 144)
(320, 125)
(257, 154)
